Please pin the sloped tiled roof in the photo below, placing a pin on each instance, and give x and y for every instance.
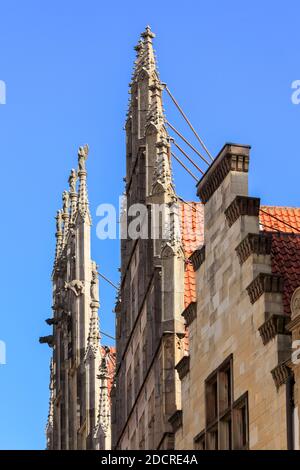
(284, 223)
(285, 256)
(192, 234)
(284, 219)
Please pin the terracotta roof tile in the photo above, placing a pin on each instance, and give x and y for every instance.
(283, 219)
(192, 234)
(284, 222)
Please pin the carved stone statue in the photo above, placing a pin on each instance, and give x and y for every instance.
(66, 201)
(82, 157)
(59, 221)
(94, 283)
(75, 286)
(72, 181)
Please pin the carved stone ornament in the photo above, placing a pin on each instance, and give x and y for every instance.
(295, 303)
(77, 287)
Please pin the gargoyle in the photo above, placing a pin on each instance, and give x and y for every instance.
(47, 340)
(75, 286)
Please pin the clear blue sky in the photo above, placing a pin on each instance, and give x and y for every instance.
(66, 66)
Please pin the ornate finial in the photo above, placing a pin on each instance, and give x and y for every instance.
(72, 181)
(83, 203)
(82, 157)
(139, 46)
(148, 34)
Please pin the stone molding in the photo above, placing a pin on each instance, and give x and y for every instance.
(183, 366)
(232, 157)
(176, 420)
(274, 325)
(190, 313)
(197, 257)
(242, 205)
(254, 243)
(264, 283)
(281, 373)
(293, 324)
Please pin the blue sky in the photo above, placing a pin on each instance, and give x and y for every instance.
(66, 66)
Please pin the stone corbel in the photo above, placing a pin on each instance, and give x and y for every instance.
(254, 243)
(176, 420)
(264, 283)
(281, 373)
(197, 257)
(183, 366)
(242, 205)
(273, 325)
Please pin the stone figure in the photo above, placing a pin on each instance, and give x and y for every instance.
(66, 201)
(72, 181)
(82, 157)
(94, 283)
(58, 221)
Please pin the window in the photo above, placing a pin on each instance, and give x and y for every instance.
(240, 423)
(226, 421)
(199, 441)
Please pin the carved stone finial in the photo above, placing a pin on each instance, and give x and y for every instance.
(148, 34)
(139, 46)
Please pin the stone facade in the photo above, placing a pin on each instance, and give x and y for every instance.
(208, 309)
(149, 322)
(81, 369)
(237, 387)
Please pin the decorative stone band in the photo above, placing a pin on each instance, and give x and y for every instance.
(190, 313)
(232, 157)
(274, 325)
(264, 283)
(183, 366)
(242, 205)
(254, 243)
(176, 420)
(197, 257)
(281, 373)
